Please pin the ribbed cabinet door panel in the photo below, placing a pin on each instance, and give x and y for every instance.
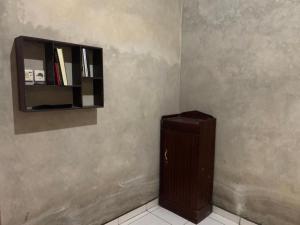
(179, 157)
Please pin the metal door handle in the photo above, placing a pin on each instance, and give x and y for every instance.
(166, 155)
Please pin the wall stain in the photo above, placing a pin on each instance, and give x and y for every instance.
(67, 172)
(240, 63)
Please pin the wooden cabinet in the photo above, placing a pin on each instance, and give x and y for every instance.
(187, 164)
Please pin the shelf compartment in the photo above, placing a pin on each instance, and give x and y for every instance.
(72, 62)
(94, 60)
(51, 85)
(98, 92)
(77, 96)
(48, 96)
(87, 93)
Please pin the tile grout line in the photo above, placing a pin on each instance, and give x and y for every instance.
(146, 210)
(159, 217)
(217, 220)
(133, 217)
(238, 222)
(162, 219)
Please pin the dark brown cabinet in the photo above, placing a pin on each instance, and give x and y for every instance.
(187, 164)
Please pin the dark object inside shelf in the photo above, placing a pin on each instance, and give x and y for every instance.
(43, 107)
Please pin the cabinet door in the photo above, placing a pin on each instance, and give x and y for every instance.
(179, 160)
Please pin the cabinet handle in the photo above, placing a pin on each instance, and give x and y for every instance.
(166, 155)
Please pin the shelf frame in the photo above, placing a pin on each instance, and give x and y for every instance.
(75, 88)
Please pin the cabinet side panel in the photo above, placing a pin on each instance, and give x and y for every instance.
(20, 72)
(76, 65)
(212, 131)
(49, 61)
(206, 165)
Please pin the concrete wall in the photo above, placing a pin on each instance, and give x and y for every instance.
(87, 167)
(241, 63)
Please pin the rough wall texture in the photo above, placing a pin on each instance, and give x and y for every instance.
(87, 167)
(241, 63)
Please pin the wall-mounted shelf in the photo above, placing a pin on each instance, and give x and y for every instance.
(82, 92)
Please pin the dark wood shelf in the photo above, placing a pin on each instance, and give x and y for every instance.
(38, 54)
(52, 109)
(67, 108)
(51, 85)
(90, 107)
(92, 78)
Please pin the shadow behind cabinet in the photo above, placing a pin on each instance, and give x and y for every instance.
(187, 164)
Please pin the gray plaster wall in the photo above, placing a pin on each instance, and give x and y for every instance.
(87, 167)
(241, 63)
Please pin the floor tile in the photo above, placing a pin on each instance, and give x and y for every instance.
(149, 219)
(168, 216)
(132, 214)
(130, 221)
(222, 219)
(152, 204)
(153, 214)
(207, 221)
(226, 214)
(153, 208)
(114, 222)
(246, 222)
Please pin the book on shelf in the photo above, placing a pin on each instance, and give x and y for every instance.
(85, 70)
(68, 58)
(62, 66)
(82, 66)
(57, 73)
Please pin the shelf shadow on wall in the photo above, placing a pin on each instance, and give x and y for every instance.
(31, 122)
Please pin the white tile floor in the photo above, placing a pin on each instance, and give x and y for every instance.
(152, 214)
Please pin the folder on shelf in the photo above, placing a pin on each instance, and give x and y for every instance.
(62, 66)
(85, 71)
(57, 73)
(69, 72)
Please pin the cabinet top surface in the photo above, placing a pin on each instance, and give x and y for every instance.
(191, 117)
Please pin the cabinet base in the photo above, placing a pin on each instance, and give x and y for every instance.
(192, 215)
